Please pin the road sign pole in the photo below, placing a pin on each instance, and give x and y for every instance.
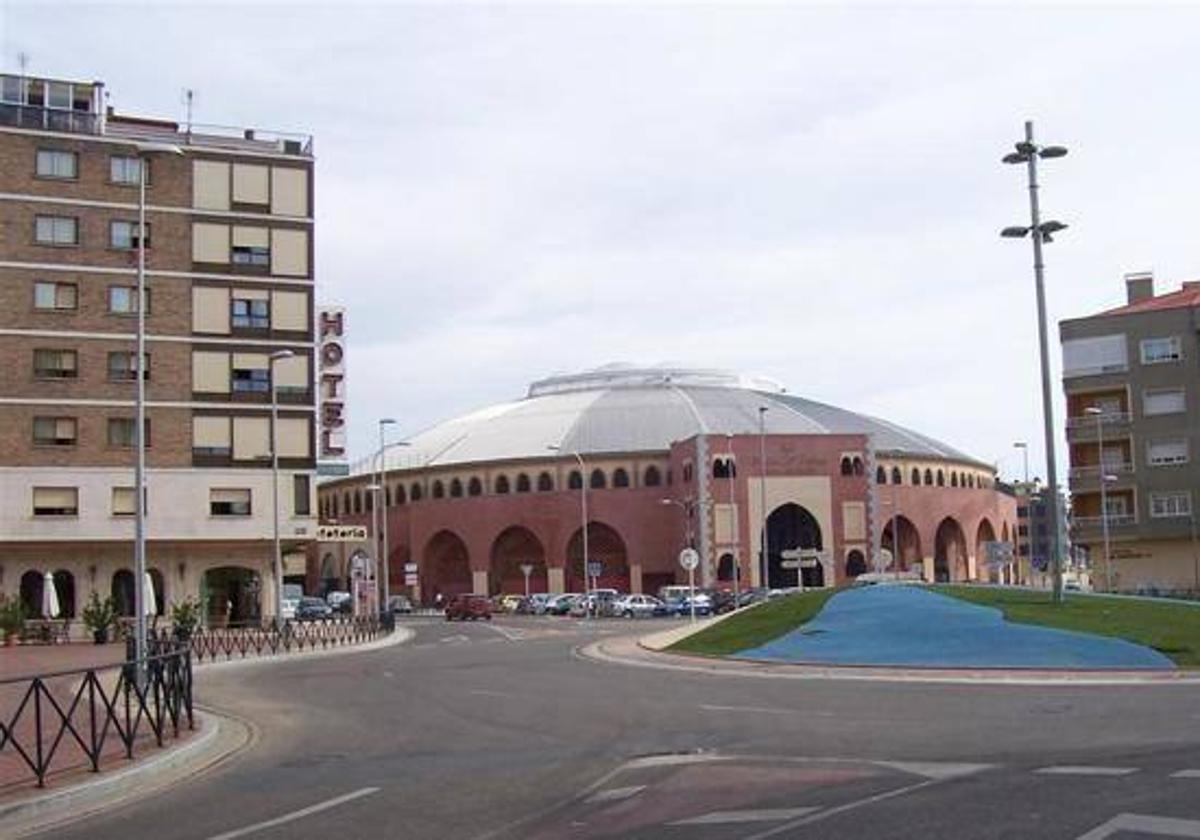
(692, 591)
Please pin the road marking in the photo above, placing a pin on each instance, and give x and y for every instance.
(1160, 826)
(840, 809)
(296, 815)
(1085, 770)
(483, 692)
(512, 634)
(758, 815)
(454, 639)
(615, 794)
(1186, 774)
(764, 710)
(936, 769)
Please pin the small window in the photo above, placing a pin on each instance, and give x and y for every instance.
(881, 476)
(54, 431)
(953, 479)
(941, 479)
(125, 170)
(55, 501)
(122, 431)
(123, 235)
(251, 314)
(123, 300)
(916, 477)
(1164, 401)
(52, 163)
(523, 483)
(574, 480)
(847, 466)
(369, 498)
(250, 255)
(55, 297)
(456, 489)
(1160, 453)
(687, 472)
(620, 478)
(1159, 350)
(652, 477)
(301, 493)
(399, 496)
(1164, 505)
(229, 502)
(896, 477)
(251, 380)
(55, 364)
(122, 366)
(124, 501)
(56, 230)
(545, 483)
(414, 492)
(598, 480)
(439, 489)
(474, 487)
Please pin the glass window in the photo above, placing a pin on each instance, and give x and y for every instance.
(255, 314)
(55, 364)
(222, 502)
(54, 431)
(251, 380)
(56, 230)
(1163, 452)
(124, 235)
(124, 170)
(58, 95)
(251, 255)
(10, 89)
(1159, 350)
(52, 163)
(301, 491)
(55, 501)
(122, 366)
(1170, 504)
(121, 431)
(122, 300)
(54, 296)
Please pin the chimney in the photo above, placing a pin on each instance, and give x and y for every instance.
(1139, 286)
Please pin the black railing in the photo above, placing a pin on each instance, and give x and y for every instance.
(273, 637)
(77, 719)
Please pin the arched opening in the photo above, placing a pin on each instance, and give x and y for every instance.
(446, 569)
(387, 495)
(439, 489)
(687, 472)
(950, 552)
(545, 483)
(983, 535)
(474, 487)
(620, 478)
(897, 478)
(500, 486)
(598, 481)
(858, 465)
(456, 488)
(31, 593)
(791, 526)
(156, 581)
(369, 500)
(329, 575)
(233, 595)
(121, 590)
(847, 466)
(916, 477)
(606, 550)
(400, 496)
(941, 479)
(652, 477)
(909, 555)
(513, 548)
(414, 492)
(725, 568)
(522, 483)
(358, 502)
(971, 481)
(347, 503)
(928, 476)
(574, 480)
(720, 467)
(953, 479)
(64, 584)
(856, 564)
(881, 476)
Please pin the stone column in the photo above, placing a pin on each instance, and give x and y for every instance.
(635, 578)
(479, 581)
(554, 580)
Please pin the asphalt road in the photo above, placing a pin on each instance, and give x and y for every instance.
(502, 730)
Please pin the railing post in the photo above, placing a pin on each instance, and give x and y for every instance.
(37, 725)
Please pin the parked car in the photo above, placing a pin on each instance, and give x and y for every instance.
(682, 605)
(535, 604)
(398, 604)
(339, 601)
(507, 603)
(311, 609)
(561, 604)
(638, 606)
(292, 594)
(469, 607)
(598, 603)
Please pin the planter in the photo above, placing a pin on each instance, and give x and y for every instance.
(100, 636)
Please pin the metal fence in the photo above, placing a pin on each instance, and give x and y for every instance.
(211, 643)
(77, 719)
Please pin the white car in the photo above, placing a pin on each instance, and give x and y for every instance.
(638, 606)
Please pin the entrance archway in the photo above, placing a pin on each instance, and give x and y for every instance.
(983, 535)
(725, 568)
(446, 569)
(329, 576)
(122, 593)
(232, 594)
(909, 555)
(32, 584)
(514, 547)
(605, 547)
(856, 564)
(64, 583)
(792, 526)
(950, 552)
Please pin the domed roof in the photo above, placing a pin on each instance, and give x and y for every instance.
(624, 409)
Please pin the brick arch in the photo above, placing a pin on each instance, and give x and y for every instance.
(445, 565)
(512, 547)
(605, 546)
(950, 551)
(910, 543)
(984, 532)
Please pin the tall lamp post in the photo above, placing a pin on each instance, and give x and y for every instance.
(762, 493)
(384, 422)
(1028, 153)
(139, 469)
(584, 518)
(277, 356)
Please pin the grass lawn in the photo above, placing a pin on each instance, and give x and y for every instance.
(1171, 628)
(757, 625)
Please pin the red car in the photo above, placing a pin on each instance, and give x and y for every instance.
(464, 607)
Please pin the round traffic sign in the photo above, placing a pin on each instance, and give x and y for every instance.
(689, 559)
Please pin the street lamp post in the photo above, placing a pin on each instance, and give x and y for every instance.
(1028, 153)
(383, 424)
(584, 517)
(762, 493)
(277, 356)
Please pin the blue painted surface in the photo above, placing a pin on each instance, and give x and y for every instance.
(911, 626)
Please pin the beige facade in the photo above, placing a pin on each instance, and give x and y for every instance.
(229, 275)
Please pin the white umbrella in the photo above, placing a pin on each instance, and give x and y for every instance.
(150, 602)
(50, 605)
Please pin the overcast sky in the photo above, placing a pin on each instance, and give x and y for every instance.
(810, 193)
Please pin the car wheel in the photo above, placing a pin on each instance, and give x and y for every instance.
(628, 614)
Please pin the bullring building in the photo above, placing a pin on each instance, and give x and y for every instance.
(663, 458)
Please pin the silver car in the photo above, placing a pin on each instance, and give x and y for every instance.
(638, 606)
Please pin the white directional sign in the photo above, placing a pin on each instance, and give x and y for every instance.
(689, 558)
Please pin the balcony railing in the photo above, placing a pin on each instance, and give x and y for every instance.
(1084, 422)
(1115, 520)
(49, 119)
(1094, 470)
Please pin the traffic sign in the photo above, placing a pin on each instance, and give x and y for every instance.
(595, 568)
(689, 558)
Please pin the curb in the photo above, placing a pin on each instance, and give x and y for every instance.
(397, 637)
(644, 655)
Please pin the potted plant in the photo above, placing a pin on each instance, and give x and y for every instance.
(185, 616)
(12, 618)
(98, 616)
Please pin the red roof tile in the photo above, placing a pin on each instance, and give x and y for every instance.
(1185, 298)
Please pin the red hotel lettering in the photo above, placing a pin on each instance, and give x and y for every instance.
(331, 324)
(332, 354)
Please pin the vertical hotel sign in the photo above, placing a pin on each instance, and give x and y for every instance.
(331, 388)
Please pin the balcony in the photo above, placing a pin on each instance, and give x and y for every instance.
(1092, 471)
(1084, 426)
(49, 119)
(1115, 520)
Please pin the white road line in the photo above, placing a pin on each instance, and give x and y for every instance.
(759, 815)
(483, 692)
(936, 769)
(763, 710)
(840, 809)
(1186, 774)
(455, 639)
(1085, 770)
(1160, 826)
(615, 794)
(296, 815)
(512, 634)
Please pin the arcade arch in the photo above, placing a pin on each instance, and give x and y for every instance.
(446, 566)
(792, 526)
(512, 548)
(606, 547)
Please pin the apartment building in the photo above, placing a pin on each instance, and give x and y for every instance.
(229, 273)
(1034, 546)
(1132, 381)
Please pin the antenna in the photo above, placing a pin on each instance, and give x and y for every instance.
(189, 98)
(23, 61)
